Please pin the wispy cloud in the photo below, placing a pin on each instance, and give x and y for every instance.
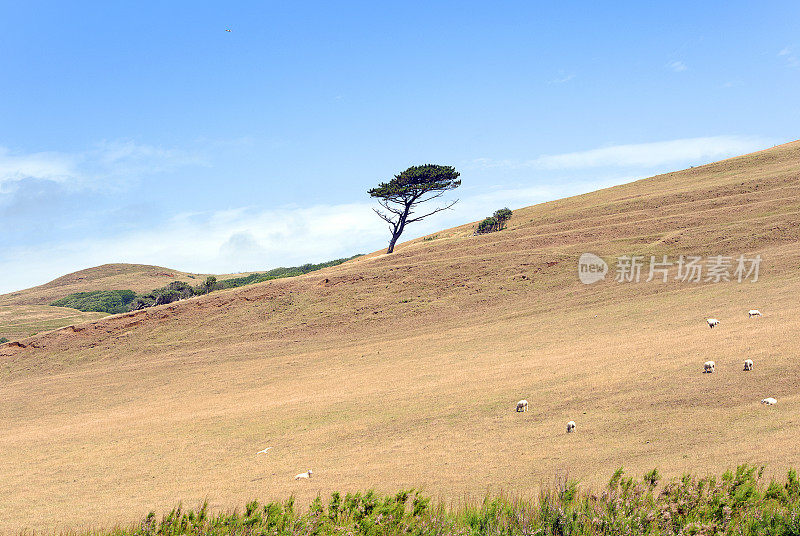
(253, 238)
(641, 155)
(209, 242)
(788, 54)
(677, 66)
(105, 161)
(248, 238)
(562, 78)
(55, 167)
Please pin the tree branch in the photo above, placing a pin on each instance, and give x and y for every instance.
(385, 205)
(440, 194)
(383, 216)
(432, 213)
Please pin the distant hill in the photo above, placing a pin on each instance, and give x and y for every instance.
(403, 370)
(136, 277)
(26, 312)
(95, 292)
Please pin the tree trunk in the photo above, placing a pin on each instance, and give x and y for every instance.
(395, 236)
(398, 230)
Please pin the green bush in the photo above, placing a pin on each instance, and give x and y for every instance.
(736, 504)
(3, 339)
(496, 222)
(487, 226)
(177, 290)
(101, 301)
(502, 216)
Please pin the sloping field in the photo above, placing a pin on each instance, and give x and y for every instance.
(28, 311)
(404, 370)
(20, 321)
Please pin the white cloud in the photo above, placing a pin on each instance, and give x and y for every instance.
(55, 167)
(641, 155)
(562, 78)
(247, 239)
(791, 59)
(677, 66)
(89, 168)
(209, 242)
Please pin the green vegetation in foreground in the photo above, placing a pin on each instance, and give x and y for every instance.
(738, 503)
(100, 301)
(120, 301)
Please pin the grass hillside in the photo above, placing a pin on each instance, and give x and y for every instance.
(20, 321)
(27, 312)
(403, 370)
(136, 277)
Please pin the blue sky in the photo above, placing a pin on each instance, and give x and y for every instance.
(144, 132)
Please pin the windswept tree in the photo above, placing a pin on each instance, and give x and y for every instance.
(414, 186)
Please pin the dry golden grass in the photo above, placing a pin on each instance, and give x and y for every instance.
(27, 312)
(20, 321)
(136, 277)
(404, 370)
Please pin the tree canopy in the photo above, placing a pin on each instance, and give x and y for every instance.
(416, 185)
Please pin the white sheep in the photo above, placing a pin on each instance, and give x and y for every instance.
(769, 401)
(307, 474)
(754, 312)
(708, 367)
(748, 364)
(522, 405)
(712, 322)
(570, 427)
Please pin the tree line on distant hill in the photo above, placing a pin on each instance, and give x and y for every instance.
(120, 301)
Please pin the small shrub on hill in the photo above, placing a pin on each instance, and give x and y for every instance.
(496, 222)
(487, 226)
(3, 339)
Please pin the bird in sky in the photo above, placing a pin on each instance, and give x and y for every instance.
(263, 451)
(228, 29)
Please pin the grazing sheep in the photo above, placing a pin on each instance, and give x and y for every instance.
(769, 401)
(570, 427)
(748, 364)
(712, 322)
(754, 312)
(307, 474)
(522, 405)
(708, 367)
